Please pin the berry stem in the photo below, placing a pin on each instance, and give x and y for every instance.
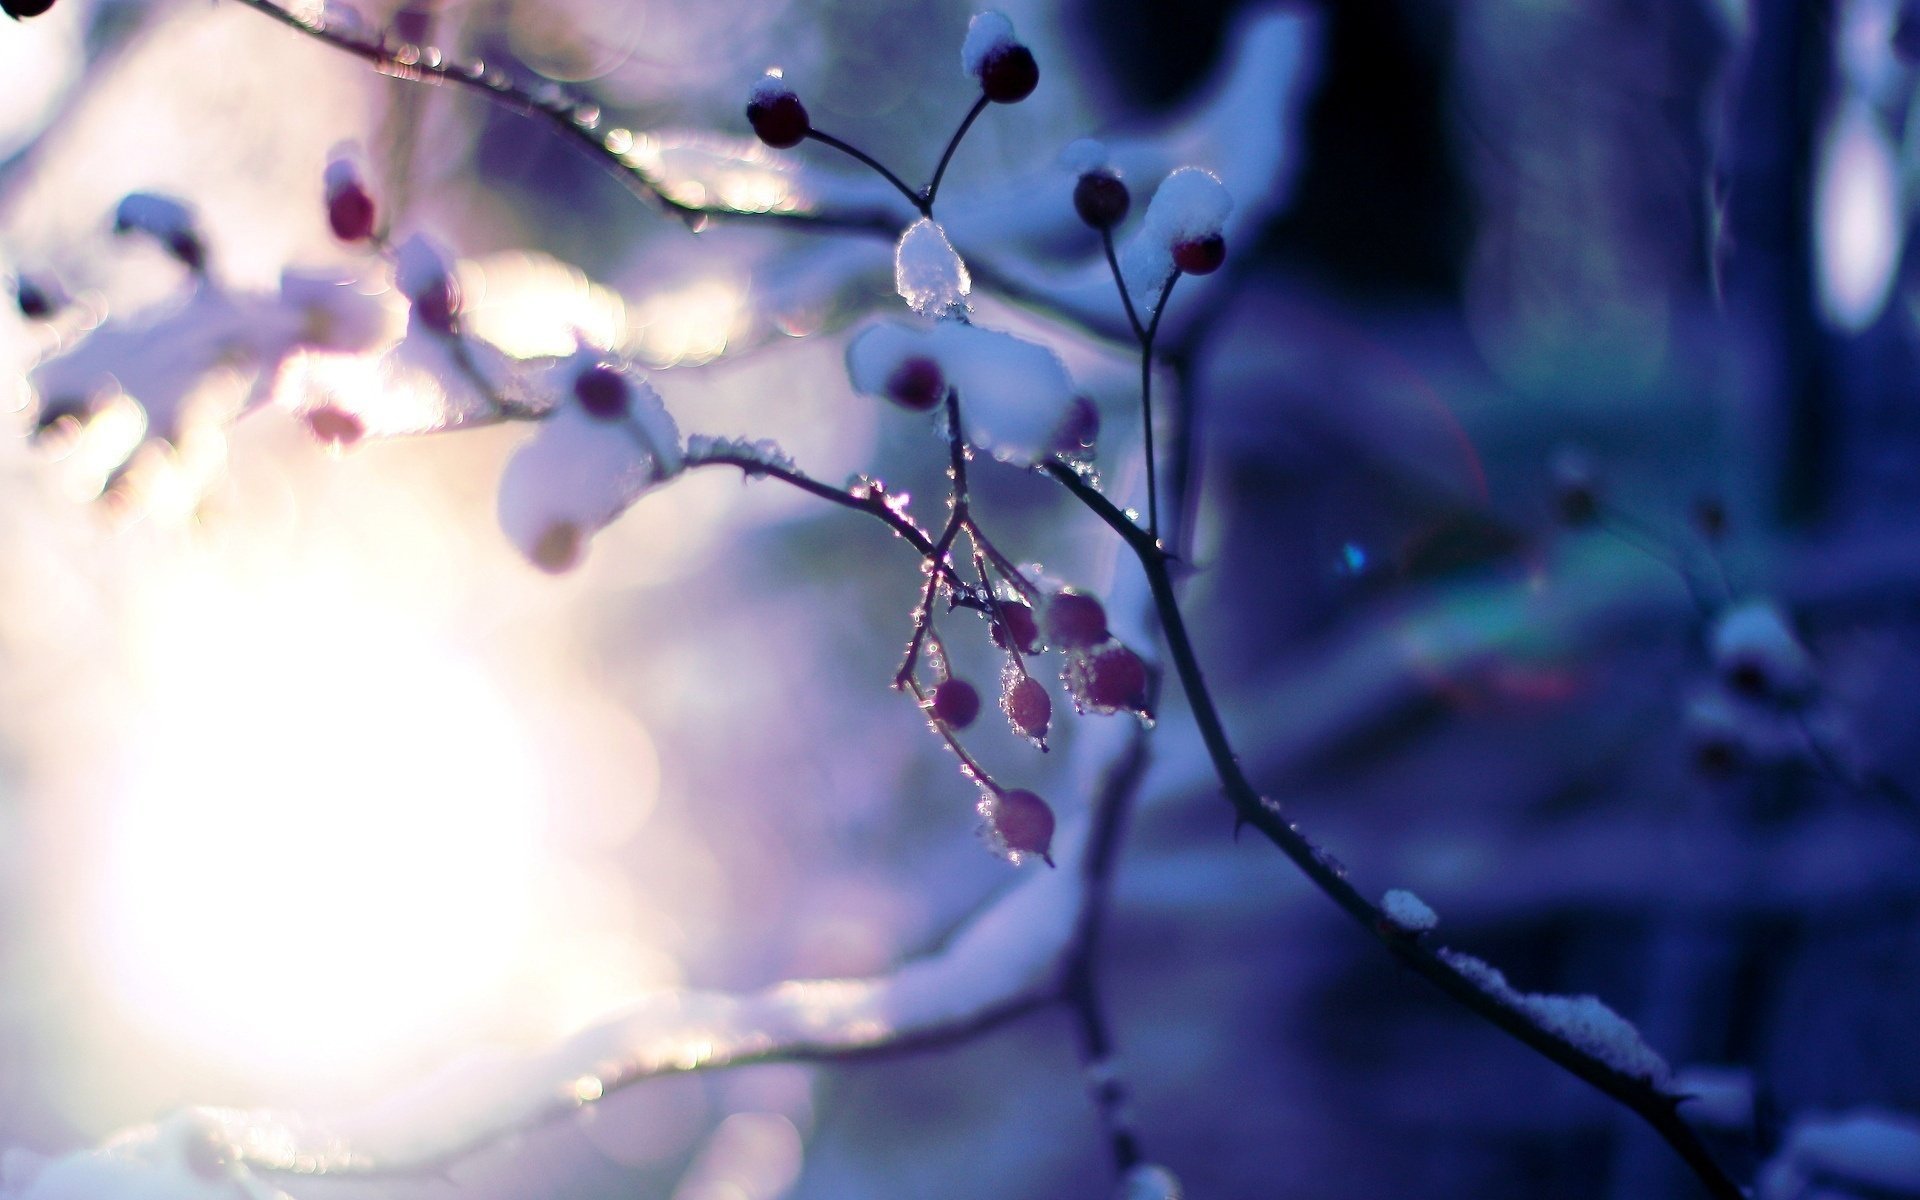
(914, 198)
(968, 762)
(1120, 282)
(1657, 1107)
(946, 156)
(1146, 400)
(923, 615)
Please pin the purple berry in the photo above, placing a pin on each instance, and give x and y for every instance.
(1201, 255)
(956, 703)
(1017, 619)
(1027, 706)
(34, 301)
(602, 392)
(350, 212)
(437, 305)
(779, 119)
(1076, 621)
(1023, 822)
(1008, 74)
(1101, 199)
(916, 384)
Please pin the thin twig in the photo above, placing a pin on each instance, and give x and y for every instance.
(1120, 282)
(1146, 401)
(917, 199)
(938, 560)
(946, 156)
(1658, 1108)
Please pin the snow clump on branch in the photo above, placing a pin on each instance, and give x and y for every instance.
(1016, 395)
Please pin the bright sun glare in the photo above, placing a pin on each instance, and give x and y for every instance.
(325, 835)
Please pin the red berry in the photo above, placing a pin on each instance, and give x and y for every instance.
(1200, 256)
(1017, 619)
(1111, 679)
(779, 119)
(21, 9)
(1008, 74)
(1027, 706)
(956, 703)
(1023, 822)
(602, 392)
(335, 426)
(916, 384)
(1076, 621)
(350, 212)
(1101, 199)
(558, 548)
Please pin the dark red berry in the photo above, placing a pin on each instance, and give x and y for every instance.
(1080, 430)
(1101, 199)
(956, 703)
(916, 384)
(602, 391)
(335, 426)
(1201, 255)
(779, 119)
(1008, 74)
(558, 548)
(1017, 619)
(22, 9)
(1023, 822)
(1027, 706)
(34, 301)
(437, 305)
(186, 247)
(1112, 678)
(1076, 621)
(350, 212)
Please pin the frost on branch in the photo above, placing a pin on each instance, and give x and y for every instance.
(928, 273)
(1015, 395)
(1866, 1153)
(585, 465)
(1408, 912)
(1583, 1020)
(188, 1156)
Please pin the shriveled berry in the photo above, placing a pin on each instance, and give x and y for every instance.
(1008, 74)
(602, 391)
(1017, 619)
(956, 702)
(1113, 678)
(350, 212)
(335, 426)
(1201, 255)
(917, 384)
(21, 9)
(1076, 621)
(1027, 706)
(778, 119)
(1023, 822)
(1101, 199)
(558, 548)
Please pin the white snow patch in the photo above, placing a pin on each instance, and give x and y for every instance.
(764, 451)
(578, 472)
(927, 272)
(1717, 1097)
(1149, 1181)
(186, 1157)
(987, 33)
(1190, 203)
(1014, 394)
(1408, 911)
(769, 87)
(1754, 636)
(877, 351)
(1869, 1149)
(1583, 1020)
(346, 167)
(1083, 155)
(421, 265)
